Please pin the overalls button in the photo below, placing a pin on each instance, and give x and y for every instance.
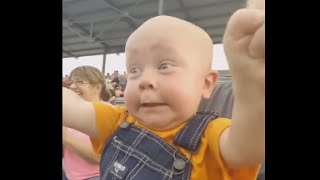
(179, 164)
(124, 125)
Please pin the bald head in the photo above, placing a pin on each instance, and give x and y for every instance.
(160, 31)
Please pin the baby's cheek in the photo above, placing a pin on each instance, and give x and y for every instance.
(130, 96)
(181, 95)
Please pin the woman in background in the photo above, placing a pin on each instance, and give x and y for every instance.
(79, 160)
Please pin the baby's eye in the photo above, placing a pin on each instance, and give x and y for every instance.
(134, 70)
(165, 66)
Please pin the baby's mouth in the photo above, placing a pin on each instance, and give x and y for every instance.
(152, 104)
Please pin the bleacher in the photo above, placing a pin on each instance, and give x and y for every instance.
(119, 101)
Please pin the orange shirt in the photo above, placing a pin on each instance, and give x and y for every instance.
(207, 163)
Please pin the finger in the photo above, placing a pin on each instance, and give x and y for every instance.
(257, 45)
(244, 22)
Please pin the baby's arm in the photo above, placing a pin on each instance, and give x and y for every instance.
(78, 113)
(243, 143)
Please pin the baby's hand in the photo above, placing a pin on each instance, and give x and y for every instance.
(244, 44)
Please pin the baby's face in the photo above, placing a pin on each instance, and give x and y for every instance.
(164, 79)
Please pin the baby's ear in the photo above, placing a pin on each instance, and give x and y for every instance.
(209, 83)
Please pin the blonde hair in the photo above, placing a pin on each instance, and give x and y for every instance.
(94, 76)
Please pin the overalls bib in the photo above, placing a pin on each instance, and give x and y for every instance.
(136, 153)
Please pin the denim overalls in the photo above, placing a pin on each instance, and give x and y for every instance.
(135, 153)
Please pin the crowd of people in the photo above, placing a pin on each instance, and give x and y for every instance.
(115, 85)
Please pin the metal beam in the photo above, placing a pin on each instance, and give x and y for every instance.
(87, 49)
(210, 17)
(104, 61)
(77, 43)
(88, 34)
(85, 31)
(69, 53)
(87, 54)
(114, 49)
(97, 23)
(216, 37)
(187, 14)
(125, 6)
(103, 9)
(160, 8)
(123, 38)
(131, 21)
(67, 2)
(117, 31)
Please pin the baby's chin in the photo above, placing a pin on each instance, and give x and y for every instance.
(159, 123)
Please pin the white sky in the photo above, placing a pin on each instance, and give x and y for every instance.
(117, 62)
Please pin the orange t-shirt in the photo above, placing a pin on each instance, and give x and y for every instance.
(207, 162)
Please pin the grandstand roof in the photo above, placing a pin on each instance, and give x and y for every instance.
(93, 27)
